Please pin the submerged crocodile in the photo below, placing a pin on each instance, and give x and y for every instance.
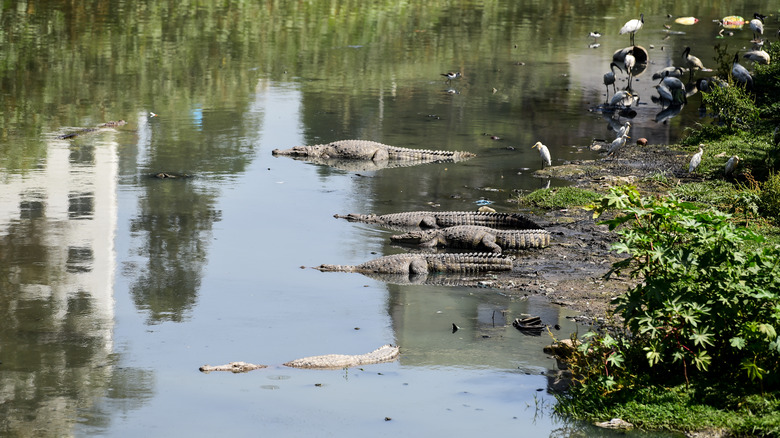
(385, 353)
(378, 154)
(112, 124)
(443, 219)
(420, 265)
(476, 237)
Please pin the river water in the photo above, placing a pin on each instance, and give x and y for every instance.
(116, 286)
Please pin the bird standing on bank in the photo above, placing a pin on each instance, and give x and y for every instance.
(544, 153)
(617, 144)
(731, 164)
(758, 56)
(757, 25)
(624, 129)
(740, 73)
(695, 160)
(692, 62)
(632, 26)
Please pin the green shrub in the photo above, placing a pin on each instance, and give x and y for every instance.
(770, 197)
(706, 306)
(558, 197)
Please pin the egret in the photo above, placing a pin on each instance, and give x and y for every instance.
(632, 26)
(621, 98)
(758, 56)
(757, 25)
(624, 129)
(695, 160)
(740, 73)
(544, 153)
(629, 61)
(692, 62)
(609, 78)
(731, 165)
(617, 144)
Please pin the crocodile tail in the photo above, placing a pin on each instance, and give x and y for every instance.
(336, 268)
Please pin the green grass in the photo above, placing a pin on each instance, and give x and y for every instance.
(558, 197)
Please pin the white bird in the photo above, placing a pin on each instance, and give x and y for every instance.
(695, 160)
(616, 145)
(692, 62)
(757, 25)
(544, 152)
(623, 99)
(609, 78)
(758, 56)
(632, 26)
(740, 73)
(624, 129)
(731, 165)
(629, 62)
(595, 35)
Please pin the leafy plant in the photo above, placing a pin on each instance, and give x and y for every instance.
(770, 197)
(706, 305)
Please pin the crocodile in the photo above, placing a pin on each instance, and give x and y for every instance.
(379, 155)
(111, 124)
(385, 353)
(442, 219)
(476, 237)
(420, 265)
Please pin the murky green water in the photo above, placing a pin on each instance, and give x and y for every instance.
(116, 286)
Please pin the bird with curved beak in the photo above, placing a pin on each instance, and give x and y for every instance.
(632, 26)
(544, 153)
(692, 62)
(696, 159)
(609, 78)
(740, 73)
(758, 56)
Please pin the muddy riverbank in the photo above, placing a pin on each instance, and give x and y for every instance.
(571, 271)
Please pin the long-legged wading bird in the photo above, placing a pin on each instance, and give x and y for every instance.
(451, 75)
(544, 153)
(624, 129)
(757, 25)
(632, 26)
(609, 78)
(629, 61)
(692, 62)
(668, 71)
(731, 164)
(695, 160)
(740, 73)
(616, 145)
(622, 99)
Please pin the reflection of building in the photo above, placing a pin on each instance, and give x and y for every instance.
(57, 225)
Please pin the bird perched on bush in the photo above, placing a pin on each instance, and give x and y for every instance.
(740, 73)
(544, 153)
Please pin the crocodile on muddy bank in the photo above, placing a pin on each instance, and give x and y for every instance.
(378, 154)
(476, 237)
(444, 219)
(422, 264)
(385, 353)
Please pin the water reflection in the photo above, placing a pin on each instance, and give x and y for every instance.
(57, 228)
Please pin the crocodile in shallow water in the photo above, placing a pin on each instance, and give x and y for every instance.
(443, 219)
(420, 265)
(112, 124)
(376, 155)
(476, 237)
(385, 353)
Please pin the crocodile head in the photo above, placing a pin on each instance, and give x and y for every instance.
(414, 237)
(302, 151)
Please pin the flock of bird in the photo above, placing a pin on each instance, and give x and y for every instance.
(672, 92)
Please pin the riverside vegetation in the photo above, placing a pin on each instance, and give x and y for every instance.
(694, 344)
